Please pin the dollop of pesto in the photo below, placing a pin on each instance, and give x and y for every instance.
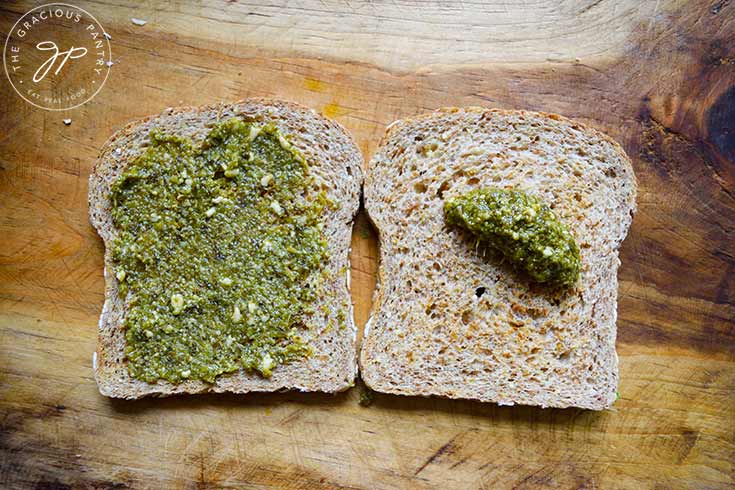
(522, 228)
(218, 254)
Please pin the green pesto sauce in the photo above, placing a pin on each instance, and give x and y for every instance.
(367, 396)
(219, 253)
(523, 229)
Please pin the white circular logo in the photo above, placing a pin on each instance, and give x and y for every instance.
(57, 56)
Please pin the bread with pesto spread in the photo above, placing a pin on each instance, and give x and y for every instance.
(336, 165)
(451, 318)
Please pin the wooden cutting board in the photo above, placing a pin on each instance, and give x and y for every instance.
(657, 76)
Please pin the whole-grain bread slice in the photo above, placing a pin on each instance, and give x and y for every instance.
(450, 319)
(334, 160)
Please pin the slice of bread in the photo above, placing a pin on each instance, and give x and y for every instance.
(453, 320)
(334, 160)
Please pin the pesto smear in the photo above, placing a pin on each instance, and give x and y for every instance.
(218, 255)
(523, 229)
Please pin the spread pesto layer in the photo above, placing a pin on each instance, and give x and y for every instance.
(523, 229)
(218, 253)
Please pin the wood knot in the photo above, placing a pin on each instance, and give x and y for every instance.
(721, 124)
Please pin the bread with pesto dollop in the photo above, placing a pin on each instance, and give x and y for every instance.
(334, 162)
(454, 318)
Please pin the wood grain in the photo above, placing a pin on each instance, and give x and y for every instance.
(657, 76)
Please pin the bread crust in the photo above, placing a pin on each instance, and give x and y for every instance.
(472, 349)
(338, 165)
